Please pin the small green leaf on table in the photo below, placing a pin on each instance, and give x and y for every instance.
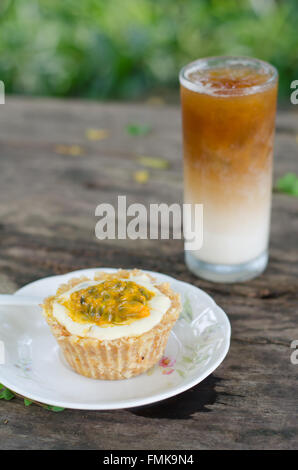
(54, 408)
(288, 184)
(27, 402)
(6, 394)
(138, 129)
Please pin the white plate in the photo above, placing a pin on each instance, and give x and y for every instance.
(35, 368)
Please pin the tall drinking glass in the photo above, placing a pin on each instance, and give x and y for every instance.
(228, 115)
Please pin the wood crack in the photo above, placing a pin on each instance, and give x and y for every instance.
(261, 341)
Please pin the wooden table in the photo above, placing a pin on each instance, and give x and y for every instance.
(51, 179)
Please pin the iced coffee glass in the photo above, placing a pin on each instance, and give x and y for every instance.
(228, 116)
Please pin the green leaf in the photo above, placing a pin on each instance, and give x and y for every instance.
(138, 129)
(27, 402)
(6, 394)
(288, 184)
(54, 408)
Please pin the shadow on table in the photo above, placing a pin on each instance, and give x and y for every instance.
(184, 405)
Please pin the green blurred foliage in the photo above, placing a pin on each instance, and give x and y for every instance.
(126, 49)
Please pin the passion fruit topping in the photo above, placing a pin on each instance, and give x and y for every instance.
(109, 303)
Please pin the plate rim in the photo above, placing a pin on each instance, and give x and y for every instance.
(132, 403)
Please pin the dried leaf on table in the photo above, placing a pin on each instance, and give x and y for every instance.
(156, 100)
(97, 134)
(153, 162)
(141, 176)
(73, 150)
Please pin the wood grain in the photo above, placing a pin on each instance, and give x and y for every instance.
(47, 225)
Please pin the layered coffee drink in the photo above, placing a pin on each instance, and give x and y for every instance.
(228, 115)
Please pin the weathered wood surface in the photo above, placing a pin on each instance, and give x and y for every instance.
(47, 227)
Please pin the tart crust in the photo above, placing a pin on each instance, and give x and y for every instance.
(119, 358)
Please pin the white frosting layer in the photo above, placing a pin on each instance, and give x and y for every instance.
(158, 305)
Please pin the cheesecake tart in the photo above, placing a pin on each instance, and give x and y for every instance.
(114, 326)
